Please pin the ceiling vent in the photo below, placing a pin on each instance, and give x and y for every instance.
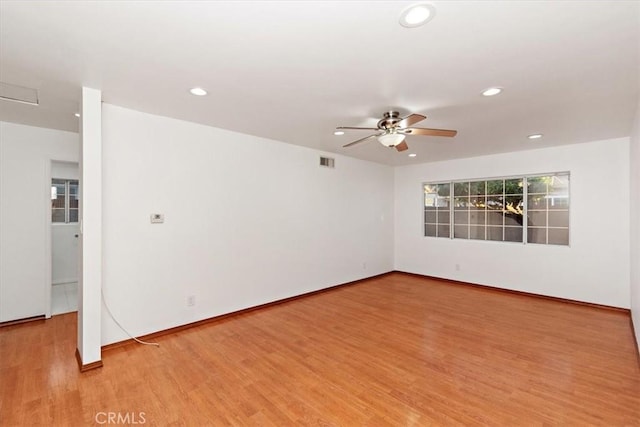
(327, 162)
(15, 93)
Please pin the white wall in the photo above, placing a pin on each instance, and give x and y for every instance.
(595, 268)
(65, 170)
(635, 225)
(25, 157)
(247, 221)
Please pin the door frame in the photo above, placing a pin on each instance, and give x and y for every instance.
(48, 242)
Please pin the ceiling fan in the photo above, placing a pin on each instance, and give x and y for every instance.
(392, 130)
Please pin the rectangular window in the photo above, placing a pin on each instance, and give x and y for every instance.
(548, 209)
(488, 210)
(64, 200)
(495, 209)
(437, 198)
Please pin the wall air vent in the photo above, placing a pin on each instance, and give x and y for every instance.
(327, 162)
(15, 93)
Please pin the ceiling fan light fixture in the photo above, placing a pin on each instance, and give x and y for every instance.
(392, 129)
(412, 155)
(417, 14)
(338, 132)
(535, 136)
(391, 139)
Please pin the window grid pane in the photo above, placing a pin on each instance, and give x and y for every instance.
(437, 209)
(494, 209)
(64, 201)
(548, 214)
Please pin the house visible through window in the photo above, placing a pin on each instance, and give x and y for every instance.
(496, 209)
(64, 200)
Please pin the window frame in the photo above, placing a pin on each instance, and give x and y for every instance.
(67, 200)
(525, 209)
(450, 209)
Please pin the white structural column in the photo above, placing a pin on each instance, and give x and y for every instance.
(90, 277)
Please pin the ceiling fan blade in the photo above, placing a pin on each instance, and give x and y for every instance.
(428, 132)
(410, 120)
(355, 128)
(402, 146)
(360, 140)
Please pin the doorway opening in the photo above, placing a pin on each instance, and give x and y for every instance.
(65, 232)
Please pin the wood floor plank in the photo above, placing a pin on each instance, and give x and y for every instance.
(393, 350)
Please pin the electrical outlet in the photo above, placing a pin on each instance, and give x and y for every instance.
(191, 300)
(157, 218)
(457, 267)
(364, 265)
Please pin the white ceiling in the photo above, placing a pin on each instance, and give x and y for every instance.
(293, 71)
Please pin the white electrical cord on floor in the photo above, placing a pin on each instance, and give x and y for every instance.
(104, 301)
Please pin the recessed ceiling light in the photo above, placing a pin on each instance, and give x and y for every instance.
(412, 155)
(77, 114)
(492, 91)
(535, 136)
(417, 14)
(338, 133)
(198, 91)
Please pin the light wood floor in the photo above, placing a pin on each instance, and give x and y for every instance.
(396, 350)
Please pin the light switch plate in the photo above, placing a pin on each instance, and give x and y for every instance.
(157, 218)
